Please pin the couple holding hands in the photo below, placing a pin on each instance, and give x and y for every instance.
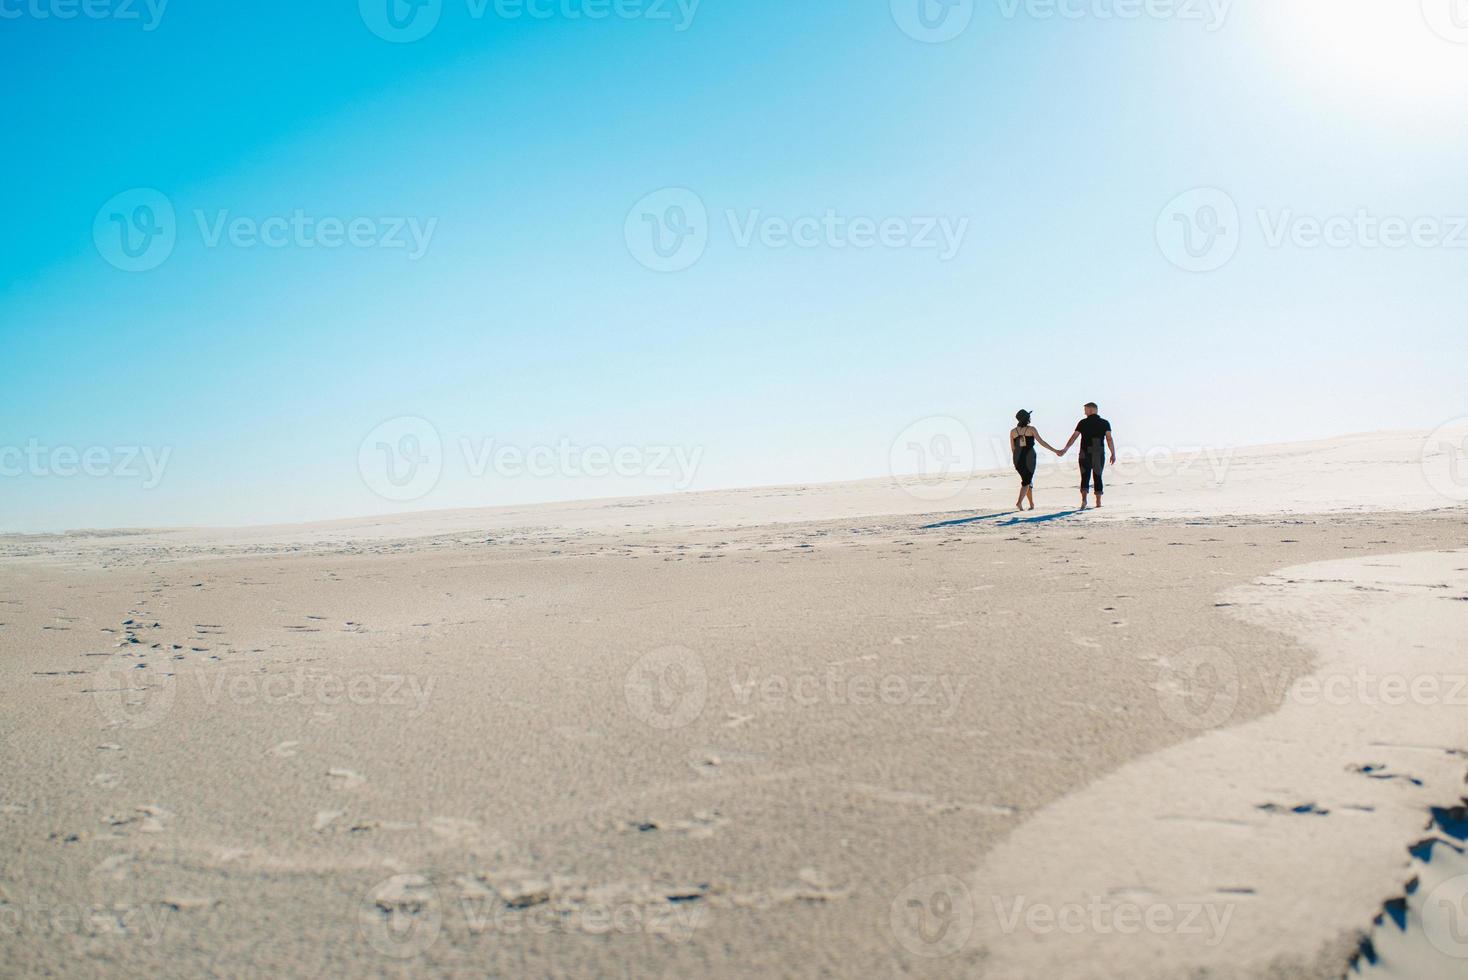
(1093, 431)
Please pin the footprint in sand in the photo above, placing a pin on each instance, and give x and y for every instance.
(1379, 770)
(325, 818)
(455, 829)
(149, 819)
(577, 734)
(114, 868)
(1302, 809)
(107, 780)
(285, 750)
(346, 778)
(153, 819)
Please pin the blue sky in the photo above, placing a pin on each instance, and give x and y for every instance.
(527, 145)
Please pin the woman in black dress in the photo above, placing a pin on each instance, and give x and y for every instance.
(1022, 439)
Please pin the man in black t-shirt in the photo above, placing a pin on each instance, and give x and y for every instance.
(1094, 432)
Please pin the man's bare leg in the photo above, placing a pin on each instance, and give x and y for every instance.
(1098, 500)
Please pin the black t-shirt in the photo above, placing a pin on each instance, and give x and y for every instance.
(1093, 429)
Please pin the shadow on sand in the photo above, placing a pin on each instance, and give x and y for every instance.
(1043, 518)
(964, 520)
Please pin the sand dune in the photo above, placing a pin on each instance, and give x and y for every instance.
(832, 730)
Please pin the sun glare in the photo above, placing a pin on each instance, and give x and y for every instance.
(1402, 52)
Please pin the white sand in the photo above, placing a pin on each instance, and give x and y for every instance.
(1375, 472)
(790, 731)
(1253, 845)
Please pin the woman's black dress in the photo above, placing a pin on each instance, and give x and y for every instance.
(1024, 458)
